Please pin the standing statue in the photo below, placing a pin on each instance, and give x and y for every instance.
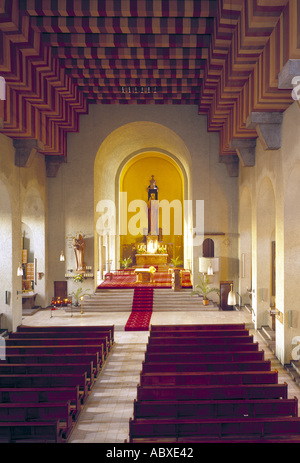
(79, 248)
(152, 207)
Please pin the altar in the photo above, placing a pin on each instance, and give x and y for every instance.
(143, 275)
(151, 259)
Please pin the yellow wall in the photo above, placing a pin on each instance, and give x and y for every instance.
(134, 181)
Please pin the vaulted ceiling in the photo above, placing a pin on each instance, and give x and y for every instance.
(224, 56)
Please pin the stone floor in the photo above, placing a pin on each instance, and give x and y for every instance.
(105, 415)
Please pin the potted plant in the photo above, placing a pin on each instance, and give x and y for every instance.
(205, 289)
(79, 294)
(176, 262)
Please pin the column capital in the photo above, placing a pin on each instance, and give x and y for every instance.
(268, 128)
(245, 149)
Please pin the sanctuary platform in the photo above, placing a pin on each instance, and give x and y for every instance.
(127, 279)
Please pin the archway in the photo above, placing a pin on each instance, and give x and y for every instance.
(6, 276)
(265, 241)
(291, 265)
(117, 150)
(34, 242)
(245, 229)
(167, 231)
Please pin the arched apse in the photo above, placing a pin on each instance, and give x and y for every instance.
(119, 148)
(292, 259)
(245, 231)
(265, 234)
(135, 178)
(33, 233)
(6, 275)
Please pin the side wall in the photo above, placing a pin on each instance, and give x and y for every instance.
(274, 190)
(23, 199)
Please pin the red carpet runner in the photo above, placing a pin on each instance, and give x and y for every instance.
(139, 319)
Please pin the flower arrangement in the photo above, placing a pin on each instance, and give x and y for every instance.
(141, 249)
(78, 278)
(152, 269)
(162, 249)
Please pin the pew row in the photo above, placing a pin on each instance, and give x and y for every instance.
(210, 383)
(48, 369)
(61, 411)
(216, 429)
(70, 329)
(157, 367)
(198, 340)
(60, 342)
(40, 395)
(208, 378)
(213, 392)
(215, 408)
(58, 350)
(198, 333)
(221, 356)
(34, 431)
(46, 380)
(186, 348)
(217, 326)
(103, 336)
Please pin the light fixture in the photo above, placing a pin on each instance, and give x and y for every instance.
(20, 270)
(231, 297)
(62, 257)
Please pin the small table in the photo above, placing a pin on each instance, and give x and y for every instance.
(143, 275)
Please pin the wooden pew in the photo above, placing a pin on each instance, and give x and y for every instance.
(43, 395)
(186, 348)
(59, 342)
(198, 333)
(39, 412)
(51, 369)
(58, 350)
(217, 326)
(40, 380)
(69, 329)
(36, 431)
(212, 392)
(160, 367)
(207, 357)
(215, 408)
(54, 359)
(216, 429)
(104, 336)
(219, 377)
(194, 340)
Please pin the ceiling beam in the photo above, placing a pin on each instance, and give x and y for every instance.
(109, 8)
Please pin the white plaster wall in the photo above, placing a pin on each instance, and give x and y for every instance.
(15, 182)
(277, 166)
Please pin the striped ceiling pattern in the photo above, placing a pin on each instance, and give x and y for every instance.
(59, 56)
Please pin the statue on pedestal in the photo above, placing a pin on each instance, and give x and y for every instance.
(153, 208)
(79, 248)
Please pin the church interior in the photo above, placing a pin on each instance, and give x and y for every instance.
(149, 221)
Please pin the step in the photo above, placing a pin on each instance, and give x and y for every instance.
(268, 336)
(293, 372)
(164, 299)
